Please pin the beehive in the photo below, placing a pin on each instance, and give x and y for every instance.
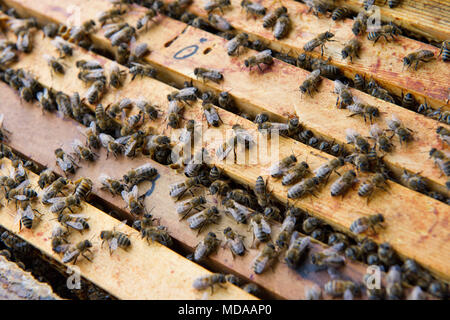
(416, 223)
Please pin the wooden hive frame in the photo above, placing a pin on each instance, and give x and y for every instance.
(406, 245)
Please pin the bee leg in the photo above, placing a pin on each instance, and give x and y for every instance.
(259, 67)
(417, 63)
(87, 258)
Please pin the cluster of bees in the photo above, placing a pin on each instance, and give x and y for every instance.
(242, 206)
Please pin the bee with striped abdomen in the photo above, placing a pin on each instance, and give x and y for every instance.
(295, 173)
(351, 49)
(384, 31)
(72, 254)
(318, 41)
(46, 177)
(263, 57)
(445, 50)
(343, 183)
(342, 288)
(206, 247)
(345, 97)
(234, 241)
(220, 188)
(55, 65)
(239, 212)
(133, 202)
(185, 207)
(233, 46)
(209, 281)
(115, 239)
(253, 8)
(270, 19)
(318, 6)
(362, 224)
(83, 152)
(204, 218)
(298, 247)
(282, 26)
(380, 138)
(146, 18)
(340, 13)
(395, 125)
(211, 115)
(83, 188)
(416, 57)
(354, 138)
(444, 134)
(303, 188)
(367, 188)
(311, 82)
(65, 161)
(63, 47)
(441, 159)
(112, 185)
(27, 216)
(212, 5)
(139, 174)
(363, 109)
(260, 229)
(264, 259)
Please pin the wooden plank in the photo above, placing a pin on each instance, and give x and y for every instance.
(402, 232)
(51, 132)
(382, 61)
(255, 92)
(161, 273)
(428, 18)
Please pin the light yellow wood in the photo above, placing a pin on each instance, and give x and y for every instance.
(255, 92)
(428, 18)
(413, 228)
(144, 272)
(382, 61)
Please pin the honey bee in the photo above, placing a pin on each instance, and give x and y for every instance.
(386, 254)
(193, 167)
(385, 31)
(297, 249)
(444, 134)
(111, 145)
(46, 177)
(142, 70)
(24, 42)
(65, 162)
(205, 247)
(380, 138)
(53, 189)
(18, 25)
(243, 137)
(220, 188)
(72, 254)
(83, 188)
(311, 82)
(318, 6)
(296, 173)
(394, 288)
(253, 8)
(131, 124)
(92, 139)
(364, 109)
(185, 95)
(414, 181)
(212, 5)
(239, 212)
(320, 40)
(261, 191)
(208, 74)
(328, 258)
(115, 239)
(95, 92)
(234, 241)
(117, 76)
(64, 48)
(438, 289)
(279, 168)
(233, 46)
(54, 64)
(209, 281)
(445, 50)
(343, 183)
(61, 203)
(110, 14)
(360, 23)
(342, 288)
(132, 200)
(173, 114)
(264, 57)
(211, 115)
(158, 234)
(282, 26)
(151, 111)
(59, 238)
(226, 101)
(64, 105)
(396, 126)
(203, 218)
(340, 13)
(368, 187)
(345, 97)
(144, 20)
(83, 152)
(185, 207)
(219, 23)
(177, 190)
(271, 18)
(310, 224)
(231, 278)
(416, 57)
(7, 56)
(139, 174)
(351, 49)
(417, 294)
(441, 159)
(261, 229)
(353, 137)
(27, 217)
(303, 188)
(264, 259)
(362, 224)
(112, 185)
(242, 197)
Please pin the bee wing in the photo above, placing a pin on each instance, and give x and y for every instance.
(187, 91)
(338, 86)
(146, 166)
(2, 117)
(76, 144)
(350, 134)
(125, 195)
(265, 226)
(28, 212)
(47, 57)
(123, 140)
(56, 200)
(263, 54)
(20, 169)
(113, 244)
(62, 248)
(20, 197)
(134, 191)
(69, 255)
(103, 178)
(314, 74)
(375, 130)
(63, 164)
(74, 224)
(23, 184)
(18, 215)
(105, 139)
(197, 216)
